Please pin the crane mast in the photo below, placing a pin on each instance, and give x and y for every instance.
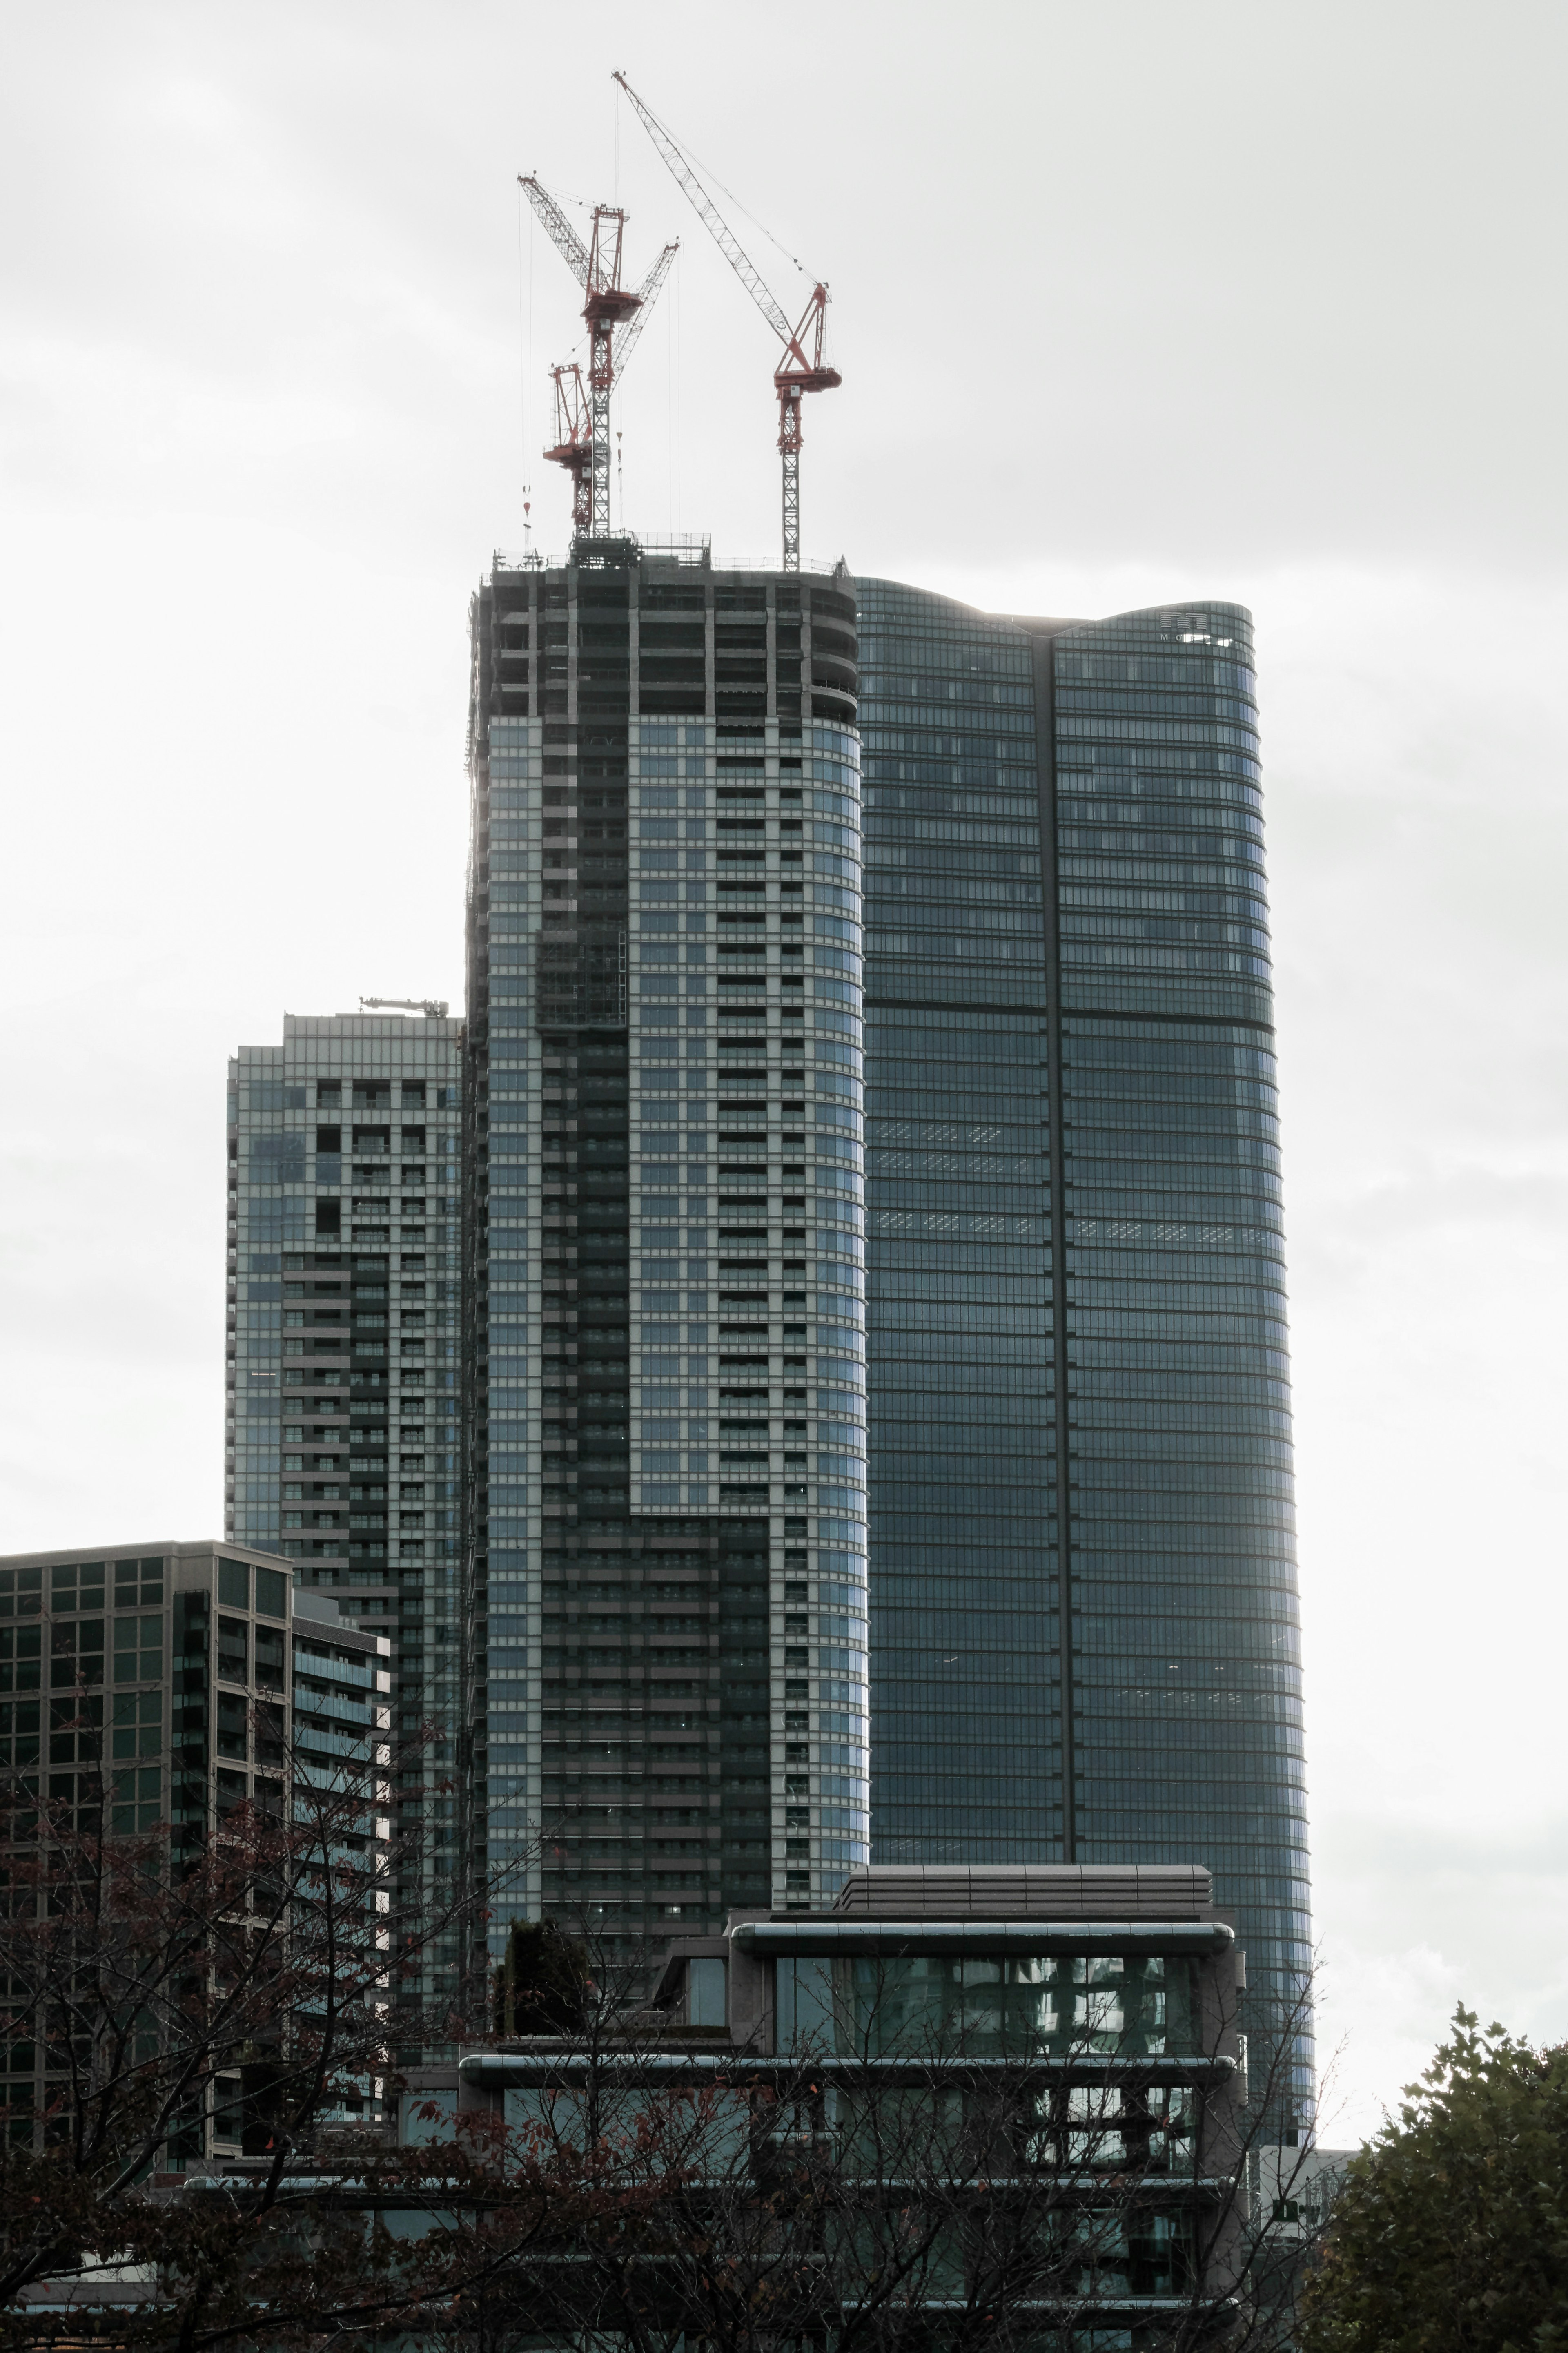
(614, 316)
(802, 368)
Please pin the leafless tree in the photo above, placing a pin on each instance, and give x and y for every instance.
(268, 1961)
(898, 2180)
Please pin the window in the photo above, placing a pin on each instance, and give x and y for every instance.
(76, 1652)
(1098, 2105)
(18, 1732)
(138, 1724)
(137, 1583)
(329, 1093)
(1101, 2013)
(271, 1597)
(233, 1648)
(706, 2003)
(20, 1662)
(233, 1723)
(63, 1789)
(804, 1997)
(1172, 2145)
(270, 1648)
(279, 1159)
(78, 1587)
(75, 1731)
(21, 1592)
(234, 1584)
(137, 1795)
(138, 1650)
(413, 1092)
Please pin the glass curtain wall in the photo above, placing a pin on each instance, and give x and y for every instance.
(967, 1644)
(1084, 1612)
(1186, 1667)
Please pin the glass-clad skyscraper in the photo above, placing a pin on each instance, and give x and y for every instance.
(1083, 1591)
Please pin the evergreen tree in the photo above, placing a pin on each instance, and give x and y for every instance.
(1451, 2233)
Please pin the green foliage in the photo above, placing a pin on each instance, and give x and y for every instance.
(1451, 2233)
(542, 1987)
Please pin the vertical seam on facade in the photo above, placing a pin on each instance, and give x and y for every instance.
(475, 1406)
(1043, 651)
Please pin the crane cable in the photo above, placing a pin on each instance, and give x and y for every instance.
(697, 164)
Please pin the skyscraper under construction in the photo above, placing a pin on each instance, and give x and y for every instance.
(666, 1356)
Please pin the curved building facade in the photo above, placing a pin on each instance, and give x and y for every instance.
(1084, 1604)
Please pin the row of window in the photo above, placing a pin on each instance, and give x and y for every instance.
(84, 1585)
(77, 1654)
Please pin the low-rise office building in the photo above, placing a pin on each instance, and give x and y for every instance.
(174, 1683)
(1042, 2061)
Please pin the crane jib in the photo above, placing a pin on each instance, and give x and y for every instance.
(803, 370)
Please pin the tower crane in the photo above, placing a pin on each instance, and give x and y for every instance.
(574, 442)
(801, 370)
(615, 317)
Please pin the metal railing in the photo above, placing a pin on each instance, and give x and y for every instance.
(682, 548)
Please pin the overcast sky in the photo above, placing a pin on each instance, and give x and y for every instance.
(1132, 304)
